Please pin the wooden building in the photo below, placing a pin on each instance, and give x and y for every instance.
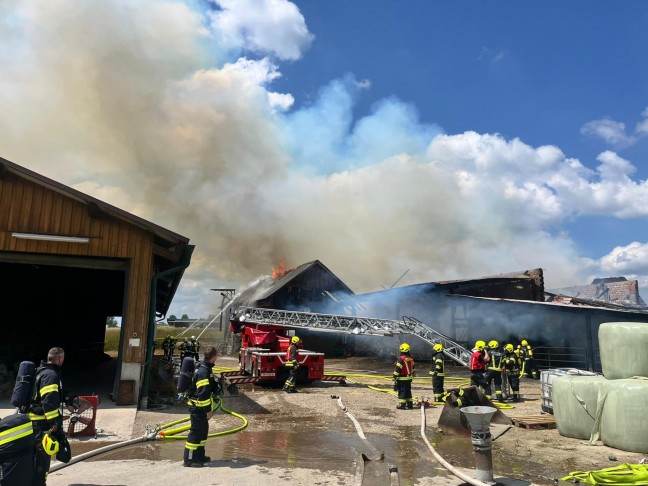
(67, 262)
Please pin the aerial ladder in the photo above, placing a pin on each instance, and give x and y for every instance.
(264, 340)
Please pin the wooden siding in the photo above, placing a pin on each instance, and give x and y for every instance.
(26, 207)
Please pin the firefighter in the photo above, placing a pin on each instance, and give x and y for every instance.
(437, 372)
(184, 349)
(403, 375)
(195, 346)
(494, 369)
(292, 362)
(528, 363)
(478, 361)
(511, 363)
(166, 346)
(16, 450)
(45, 412)
(202, 404)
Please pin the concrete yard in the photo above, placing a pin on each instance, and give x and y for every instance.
(306, 439)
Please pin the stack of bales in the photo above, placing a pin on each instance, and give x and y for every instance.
(610, 407)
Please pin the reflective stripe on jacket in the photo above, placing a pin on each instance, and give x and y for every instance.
(292, 355)
(438, 367)
(404, 368)
(16, 436)
(203, 387)
(495, 362)
(48, 394)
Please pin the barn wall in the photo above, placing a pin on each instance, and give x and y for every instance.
(27, 207)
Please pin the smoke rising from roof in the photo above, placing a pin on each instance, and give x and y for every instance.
(152, 106)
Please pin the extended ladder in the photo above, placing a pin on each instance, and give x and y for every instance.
(354, 325)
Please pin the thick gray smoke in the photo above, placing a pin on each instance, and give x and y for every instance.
(152, 106)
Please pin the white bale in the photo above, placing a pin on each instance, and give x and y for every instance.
(574, 399)
(624, 347)
(623, 422)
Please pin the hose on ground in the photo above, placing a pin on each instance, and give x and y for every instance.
(442, 461)
(157, 434)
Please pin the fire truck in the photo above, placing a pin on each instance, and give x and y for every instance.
(265, 337)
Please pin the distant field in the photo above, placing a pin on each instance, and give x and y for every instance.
(210, 336)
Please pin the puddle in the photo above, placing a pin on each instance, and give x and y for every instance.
(310, 445)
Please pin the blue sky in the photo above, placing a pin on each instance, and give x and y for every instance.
(450, 139)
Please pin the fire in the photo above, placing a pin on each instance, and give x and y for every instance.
(280, 270)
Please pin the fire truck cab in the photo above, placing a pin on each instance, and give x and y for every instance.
(262, 355)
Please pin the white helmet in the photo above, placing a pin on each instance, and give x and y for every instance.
(193, 338)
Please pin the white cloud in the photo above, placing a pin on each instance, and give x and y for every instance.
(626, 260)
(642, 126)
(610, 131)
(273, 27)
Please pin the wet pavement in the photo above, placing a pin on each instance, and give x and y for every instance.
(314, 447)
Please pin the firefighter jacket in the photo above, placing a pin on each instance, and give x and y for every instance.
(48, 399)
(477, 361)
(292, 355)
(16, 437)
(511, 363)
(404, 368)
(525, 351)
(203, 388)
(437, 364)
(495, 362)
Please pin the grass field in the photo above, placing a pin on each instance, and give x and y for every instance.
(210, 336)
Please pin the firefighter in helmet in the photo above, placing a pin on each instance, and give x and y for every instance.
(403, 375)
(45, 413)
(204, 389)
(478, 361)
(292, 363)
(511, 363)
(494, 369)
(195, 346)
(528, 363)
(437, 372)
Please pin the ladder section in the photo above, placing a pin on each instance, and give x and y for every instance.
(355, 325)
(322, 322)
(451, 349)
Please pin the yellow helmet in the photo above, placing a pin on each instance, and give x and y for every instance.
(524, 342)
(294, 340)
(437, 347)
(50, 446)
(508, 347)
(493, 344)
(479, 345)
(404, 348)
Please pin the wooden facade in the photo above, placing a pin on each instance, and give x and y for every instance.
(32, 206)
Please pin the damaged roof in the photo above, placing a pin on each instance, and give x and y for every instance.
(612, 291)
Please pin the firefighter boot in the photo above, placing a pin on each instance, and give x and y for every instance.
(410, 405)
(401, 406)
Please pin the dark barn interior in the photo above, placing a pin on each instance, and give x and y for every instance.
(48, 305)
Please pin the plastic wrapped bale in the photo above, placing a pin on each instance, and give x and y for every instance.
(623, 349)
(623, 423)
(574, 399)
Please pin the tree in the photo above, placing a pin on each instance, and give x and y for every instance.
(111, 322)
(172, 318)
(185, 317)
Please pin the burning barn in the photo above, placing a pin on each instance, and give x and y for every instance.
(310, 287)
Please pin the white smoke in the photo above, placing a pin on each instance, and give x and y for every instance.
(166, 109)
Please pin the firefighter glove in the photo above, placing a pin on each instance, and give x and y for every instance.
(433, 373)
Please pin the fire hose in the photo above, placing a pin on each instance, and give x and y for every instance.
(442, 461)
(158, 433)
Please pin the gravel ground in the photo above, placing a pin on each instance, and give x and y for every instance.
(306, 438)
